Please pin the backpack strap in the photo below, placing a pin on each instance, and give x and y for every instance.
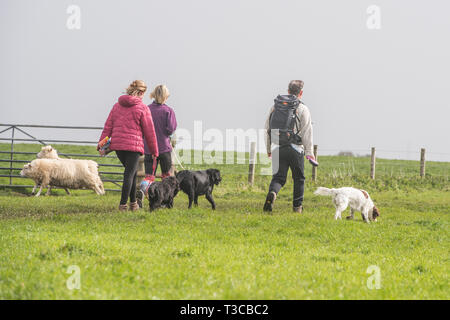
(297, 117)
(270, 119)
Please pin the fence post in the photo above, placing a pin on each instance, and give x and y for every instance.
(314, 168)
(11, 156)
(372, 164)
(422, 162)
(140, 175)
(252, 162)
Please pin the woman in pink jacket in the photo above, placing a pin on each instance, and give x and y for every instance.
(128, 123)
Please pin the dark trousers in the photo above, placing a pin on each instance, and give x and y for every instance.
(164, 159)
(284, 158)
(130, 161)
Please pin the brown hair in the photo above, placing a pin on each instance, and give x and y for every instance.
(295, 87)
(136, 88)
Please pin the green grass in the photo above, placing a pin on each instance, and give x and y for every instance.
(235, 252)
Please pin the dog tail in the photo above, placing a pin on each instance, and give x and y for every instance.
(321, 191)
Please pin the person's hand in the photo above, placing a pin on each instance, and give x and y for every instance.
(269, 154)
(312, 160)
(98, 147)
(102, 152)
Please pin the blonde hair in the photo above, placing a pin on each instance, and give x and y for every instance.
(160, 94)
(136, 88)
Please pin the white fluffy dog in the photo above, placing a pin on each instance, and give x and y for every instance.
(359, 200)
(66, 173)
(50, 170)
(47, 152)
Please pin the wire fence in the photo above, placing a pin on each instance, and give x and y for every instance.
(21, 150)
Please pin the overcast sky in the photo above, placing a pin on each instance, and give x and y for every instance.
(225, 61)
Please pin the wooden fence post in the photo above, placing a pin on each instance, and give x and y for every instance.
(372, 164)
(314, 168)
(252, 162)
(422, 162)
(140, 172)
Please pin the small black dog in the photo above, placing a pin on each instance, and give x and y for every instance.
(161, 193)
(198, 183)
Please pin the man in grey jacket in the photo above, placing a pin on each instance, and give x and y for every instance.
(290, 155)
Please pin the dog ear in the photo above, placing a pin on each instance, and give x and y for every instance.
(210, 173)
(376, 212)
(217, 177)
(158, 194)
(151, 192)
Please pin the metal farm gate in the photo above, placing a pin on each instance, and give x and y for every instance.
(8, 159)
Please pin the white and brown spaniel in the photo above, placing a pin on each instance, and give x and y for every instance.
(359, 200)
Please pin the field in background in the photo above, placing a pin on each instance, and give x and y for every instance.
(235, 252)
(333, 170)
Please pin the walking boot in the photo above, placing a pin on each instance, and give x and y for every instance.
(298, 209)
(270, 199)
(134, 206)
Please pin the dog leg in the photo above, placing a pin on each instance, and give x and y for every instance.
(191, 198)
(351, 216)
(159, 199)
(337, 215)
(365, 216)
(153, 204)
(196, 200)
(211, 200)
(97, 190)
(40, 190)
(157, 204)
(44, 182)
(340, 203)
(339, 210)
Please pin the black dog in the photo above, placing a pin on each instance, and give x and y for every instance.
(198, 183)
(161, 193)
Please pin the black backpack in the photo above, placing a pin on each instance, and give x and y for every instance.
(282, 121)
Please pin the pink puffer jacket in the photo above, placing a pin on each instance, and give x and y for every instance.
(128, 122)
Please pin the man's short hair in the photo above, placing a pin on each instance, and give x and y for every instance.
(295, 87)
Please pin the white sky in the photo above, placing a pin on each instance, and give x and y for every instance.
(225, 61)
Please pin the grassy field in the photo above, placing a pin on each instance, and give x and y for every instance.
(235, 252)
